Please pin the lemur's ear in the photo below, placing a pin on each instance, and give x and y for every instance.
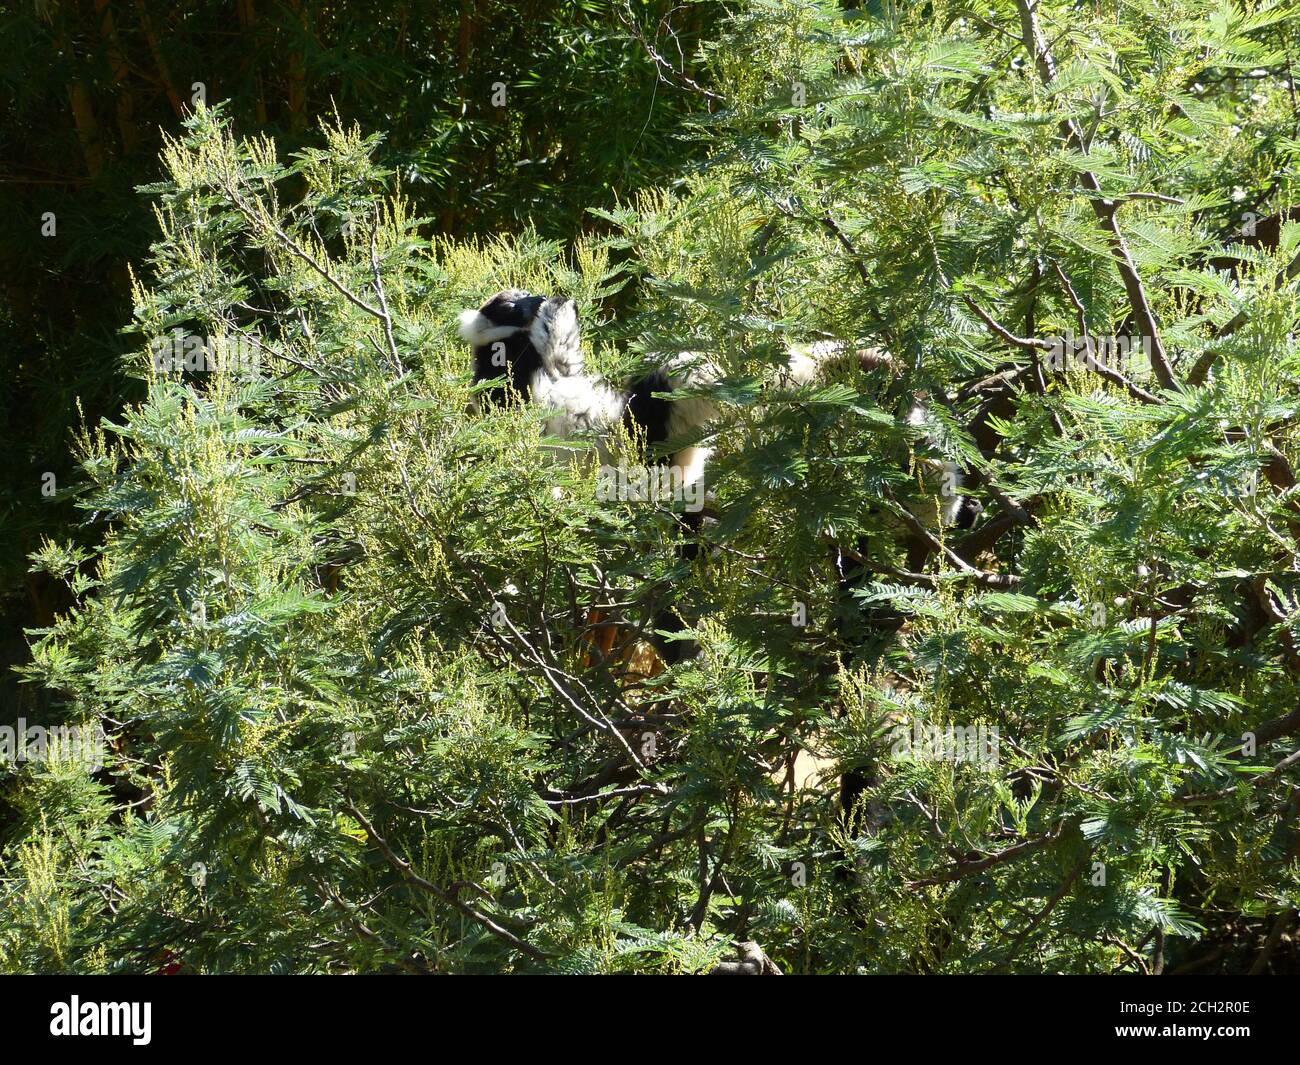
(508, 312)
(557, 337)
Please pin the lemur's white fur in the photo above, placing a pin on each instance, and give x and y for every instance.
(476, 329)
(691, 370)
(556, 335)
(950, 498)
(806, 360)
(580, 400)
(585, 402)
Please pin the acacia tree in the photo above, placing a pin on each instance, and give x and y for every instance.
(344, 634)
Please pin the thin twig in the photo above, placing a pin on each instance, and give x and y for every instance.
(963, 868)
(1043, 914)
(387, 318)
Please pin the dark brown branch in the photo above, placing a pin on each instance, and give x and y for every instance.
(1037, 344)
(680, 79)
(1201, 369)
(750, 961)
(1214, 796)
(1079, 309)
(1000, 331)
(1043, 914)
(964, 867)
(919, 530)
(1283, 921)
(352, 915)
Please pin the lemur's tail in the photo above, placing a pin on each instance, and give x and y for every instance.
(804, 364)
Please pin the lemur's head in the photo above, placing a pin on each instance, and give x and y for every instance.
(515, 333)
(498, 333)
(504, 317)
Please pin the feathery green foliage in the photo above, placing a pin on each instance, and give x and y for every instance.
(338, 633)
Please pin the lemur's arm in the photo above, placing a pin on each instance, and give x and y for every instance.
(557, 337)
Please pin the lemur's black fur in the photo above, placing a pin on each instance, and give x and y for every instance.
(530, 346)
(513, 356)
(648, 413)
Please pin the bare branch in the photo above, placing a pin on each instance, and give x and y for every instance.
(1201, 369)
(1000, 331)
(386, 317)
(919, 530)
(964, 867)
(1037, 344)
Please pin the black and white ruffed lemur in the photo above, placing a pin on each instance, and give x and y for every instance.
(532, 346)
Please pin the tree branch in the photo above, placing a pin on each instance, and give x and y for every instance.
(963, 868)
(1103, 207)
